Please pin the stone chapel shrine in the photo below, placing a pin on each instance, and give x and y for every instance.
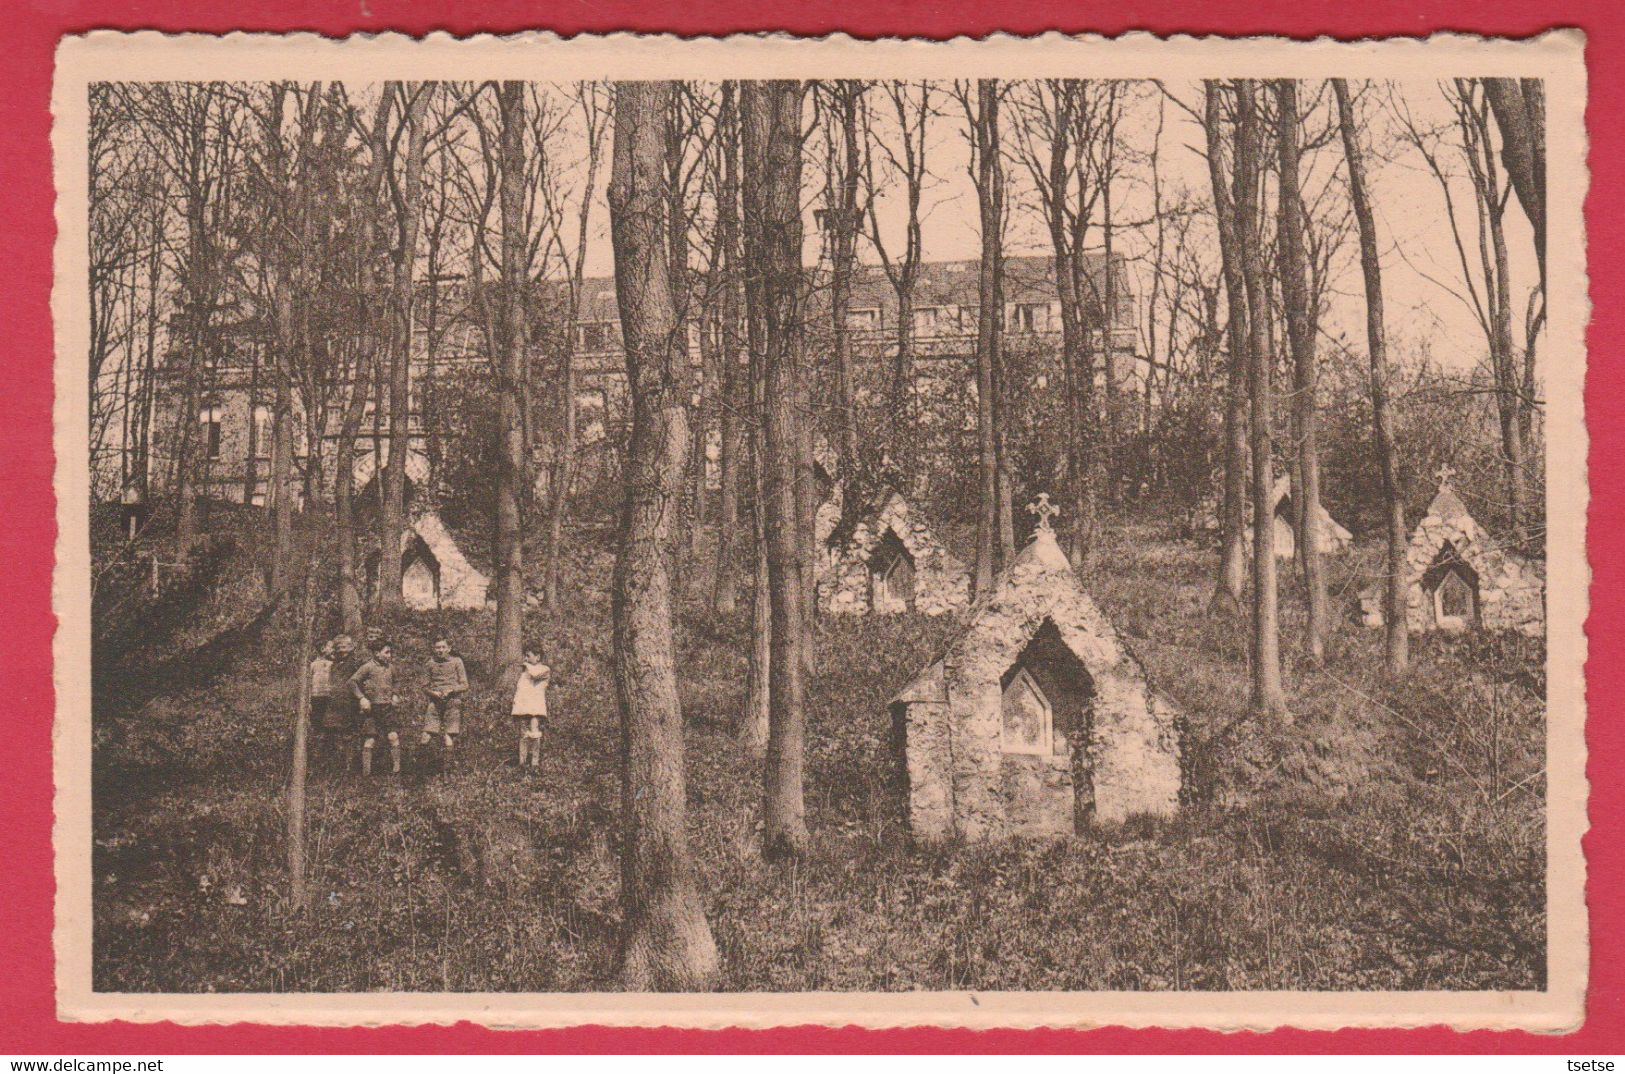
(1037, 721)
(1460, 579)
(890, 563)
(434, 572)
(1333, 537)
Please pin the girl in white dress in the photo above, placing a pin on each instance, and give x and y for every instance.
(530, 705)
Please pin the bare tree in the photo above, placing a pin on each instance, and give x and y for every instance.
(1227, 594)
(1395, 573)
(987, 171)
(298, 894)
(771, 120)
(198, 143)
(1486, 277)
(755, 718)
(1056, 140)
(593, 116)
(1520, 113)
(1267, 693)
(844, 213)
(913, 104)
(119, 193)
(369, 327)
(407, 197)
(285, 233)
(1295, 298)
(667, 944)
(732, 379)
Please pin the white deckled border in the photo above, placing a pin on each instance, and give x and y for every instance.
(1556, 56)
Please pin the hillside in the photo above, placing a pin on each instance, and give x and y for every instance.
(1390, 838)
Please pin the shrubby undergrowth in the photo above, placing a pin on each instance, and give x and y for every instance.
(1391, 837)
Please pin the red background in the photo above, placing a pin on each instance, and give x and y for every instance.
(31, 29)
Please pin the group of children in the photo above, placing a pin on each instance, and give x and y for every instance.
(353, 695)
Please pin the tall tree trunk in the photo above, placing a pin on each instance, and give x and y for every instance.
(563, 477)
(1076, 372)
(149, 353)
(297, 888)
(989, 200)
(251, 451)
(771, 114)
(667, 944)
(902, 371)
(392, 517)
(843, 265)
(1520, 113)
(1509, 397)
(806, 492)
(755, 718)
(364, 370)
(1268, 696)
(280, 486)
(1232, 580)
(508, 643)
(350, 587)
(198, 316)
(1300, 335)
(752, 731)
(733, 386)
(1110, 374)
(1395, 574)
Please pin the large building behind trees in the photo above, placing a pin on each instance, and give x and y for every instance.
(233, 422)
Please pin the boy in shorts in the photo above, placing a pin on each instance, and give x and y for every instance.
(448, 682)
(373, 687)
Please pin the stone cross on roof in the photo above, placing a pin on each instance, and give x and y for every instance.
(1044, 510)
(1445, 473)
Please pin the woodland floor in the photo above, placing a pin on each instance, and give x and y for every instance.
(1392, 837)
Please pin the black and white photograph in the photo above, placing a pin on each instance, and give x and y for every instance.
(921, 525)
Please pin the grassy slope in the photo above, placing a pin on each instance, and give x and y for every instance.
(1391, 838)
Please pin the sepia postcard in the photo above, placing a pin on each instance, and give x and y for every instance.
(753, 531)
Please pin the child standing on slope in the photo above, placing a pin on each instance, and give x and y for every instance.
(448, 682)
(373, 688)
(530, 705)
(321, 690)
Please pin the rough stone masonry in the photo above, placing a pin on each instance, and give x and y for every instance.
(1037, 721)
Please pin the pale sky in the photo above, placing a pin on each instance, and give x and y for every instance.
(1422, 275)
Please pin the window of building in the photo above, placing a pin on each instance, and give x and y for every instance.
(866, 319)
(263, 432)
(935, 320)
(596, 335)
(209, 419)
(1031, 317)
